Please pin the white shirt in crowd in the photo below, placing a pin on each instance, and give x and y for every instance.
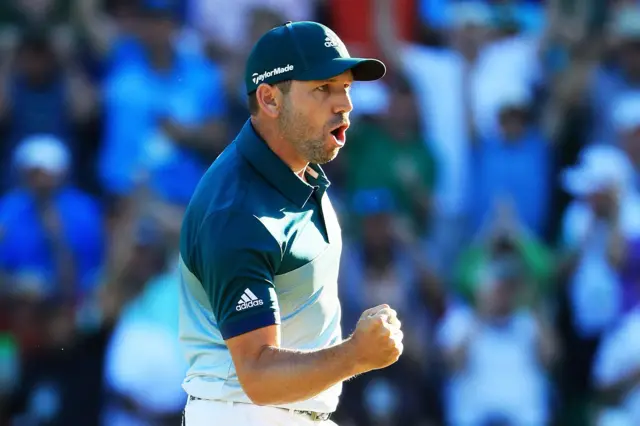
(618, 357)
(437, 76)
(502, 375)
(230, 28)
(595, 289)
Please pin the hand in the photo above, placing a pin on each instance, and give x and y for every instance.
(377, 339)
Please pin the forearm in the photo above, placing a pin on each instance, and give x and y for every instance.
(283, 376)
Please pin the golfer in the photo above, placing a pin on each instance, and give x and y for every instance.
(260, 248)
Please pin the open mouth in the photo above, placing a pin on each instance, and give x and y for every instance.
(340, 134)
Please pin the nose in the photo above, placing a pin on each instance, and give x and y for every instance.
(343, 103)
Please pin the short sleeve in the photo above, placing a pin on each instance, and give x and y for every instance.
(236, 259)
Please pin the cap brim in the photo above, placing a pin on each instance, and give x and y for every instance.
(363, 69)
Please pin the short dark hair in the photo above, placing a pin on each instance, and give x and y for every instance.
(284, 86)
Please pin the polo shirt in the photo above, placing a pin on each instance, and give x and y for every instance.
(259, 246)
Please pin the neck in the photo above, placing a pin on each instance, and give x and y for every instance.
(280, 146)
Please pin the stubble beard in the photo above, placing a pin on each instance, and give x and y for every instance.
(297, 131)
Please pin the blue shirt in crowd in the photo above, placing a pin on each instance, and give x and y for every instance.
(518, 171)
(137, 99)
(25, 250)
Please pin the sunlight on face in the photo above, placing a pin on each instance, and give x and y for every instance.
(311, 110)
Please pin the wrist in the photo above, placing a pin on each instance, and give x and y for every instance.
(354, 362)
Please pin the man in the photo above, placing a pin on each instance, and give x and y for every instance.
(260, 248)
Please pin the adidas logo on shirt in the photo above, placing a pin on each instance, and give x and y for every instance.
(248, 300)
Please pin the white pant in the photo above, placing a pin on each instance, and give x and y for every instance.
(219, 413)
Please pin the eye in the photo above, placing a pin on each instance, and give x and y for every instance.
(347, 87)
(323, 88)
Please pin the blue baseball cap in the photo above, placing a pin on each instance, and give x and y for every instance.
(304, 51)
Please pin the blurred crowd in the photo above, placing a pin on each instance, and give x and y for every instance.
(489, 191)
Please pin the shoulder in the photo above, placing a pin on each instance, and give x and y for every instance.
(228, 185)
(225, 213)
(229, 239)
(12, 204)
(80, 199)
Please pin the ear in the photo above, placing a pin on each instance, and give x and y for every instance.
(269, 100)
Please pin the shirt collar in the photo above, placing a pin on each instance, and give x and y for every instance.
(255, 150)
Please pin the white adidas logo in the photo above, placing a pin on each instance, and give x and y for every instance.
(330, 41)
(248, 300)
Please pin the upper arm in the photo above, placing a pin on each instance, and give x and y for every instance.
(236, 259)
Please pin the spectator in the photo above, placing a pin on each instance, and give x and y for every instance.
(455, 86)
(42, 94)
(145, 256)
(626, 126)
(617, 372)
(16, 16)
(62, 371)
(597, 225)
(233, 31)
(618, 78)
(514, 164)
(498, 355)
(52, 234)
(382, 267)
(388, 152)
(111, 34)
(164, 115)
(144, 367)
(504, 238)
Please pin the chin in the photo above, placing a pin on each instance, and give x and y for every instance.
(331, 155)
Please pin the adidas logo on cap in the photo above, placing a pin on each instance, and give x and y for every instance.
(259, 78)
(330, 41)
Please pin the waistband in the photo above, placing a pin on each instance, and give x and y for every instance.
(312, 415)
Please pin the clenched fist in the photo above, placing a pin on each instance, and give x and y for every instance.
(377, 340)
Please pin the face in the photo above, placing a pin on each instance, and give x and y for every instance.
(157, 31)
(500, 295)
(42, 182)
(314, 117)
(36, 64)
(602, 202)
(512, 123)
(469, 38)
(376, 231)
